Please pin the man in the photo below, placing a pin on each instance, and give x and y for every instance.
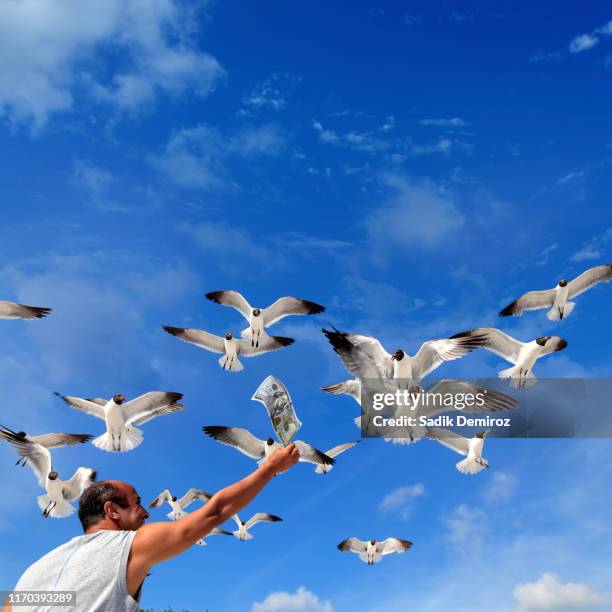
(107, 566)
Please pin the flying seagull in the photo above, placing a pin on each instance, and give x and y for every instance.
(178, 508)
(213, 531)
(242, 533)
(365, 357)
(228, 346)
(333, 452)
(178, 505)
(50, 440)
(372, 552)
(244, 441)
(260, 318)
(11, 310)
(445, 396)
(121, 418)
(471, 448)
(59, 492)
(557, 298)
(522, 354)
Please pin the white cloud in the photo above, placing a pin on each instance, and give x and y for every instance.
(545, 253)
(582, 43)
(197, 157)
(549, 593)
(415, 216)
(594, 249)
(412, 20)
(99, 300)
(445, 122)
(541, 56)
(52, 51)
(502, 487)
(401, 500)
(270, 94)
(357, 141)
(233, 246)
(587, 253)
(97, 183)
(302, 600)
(467, 527)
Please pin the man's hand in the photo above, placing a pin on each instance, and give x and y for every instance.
(283, 458)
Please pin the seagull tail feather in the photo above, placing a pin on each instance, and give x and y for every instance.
(470, 466)
(556, 314)
(231, 365)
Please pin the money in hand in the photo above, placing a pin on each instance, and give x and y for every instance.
(275, 397)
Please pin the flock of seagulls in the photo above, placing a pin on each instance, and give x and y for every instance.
(364, 357)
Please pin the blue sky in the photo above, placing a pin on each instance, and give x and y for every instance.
(412, 166)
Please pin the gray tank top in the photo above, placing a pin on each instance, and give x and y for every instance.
(93, 565)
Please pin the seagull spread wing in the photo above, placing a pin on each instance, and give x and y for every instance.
(82, 478)
(485, 400)
(450, 439)
(97, 400)
(87, 406)
(353, 545)
(286, 306)
(270, 343)
(363, 356)
(433, 353)
(153, 401)
(37, 455)
(54, 440)
(171, 409)
(589, 278)
(217, 531)
(193, 494)
(261, 517)
(11, 310)
(199, 337)
(496, 341)
(241, 439)
(391, 545)
(237, 520)
(532, 300)
(310, 454)
(163, 497)
(332, 452)
(348, 387)
(233, 299)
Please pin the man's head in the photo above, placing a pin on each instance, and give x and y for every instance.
(111, 504)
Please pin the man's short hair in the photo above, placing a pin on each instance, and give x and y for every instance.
(91, 504)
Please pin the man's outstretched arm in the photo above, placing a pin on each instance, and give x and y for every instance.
(157, 542)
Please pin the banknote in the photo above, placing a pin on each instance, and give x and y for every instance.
(275, 397)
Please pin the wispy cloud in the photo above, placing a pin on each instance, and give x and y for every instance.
(401, 500)
(583, 42)
(302, 600)
(445, 122)
(417, 215)
(233, 246)
(549, 593)
(198, 157)
(270, 94)
(467, 527)
(594, 249)
(49, 49)
(367, 142)
(542, 56)
(501, 488)
(412, 20)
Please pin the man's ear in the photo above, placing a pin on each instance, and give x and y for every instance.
(110, 510)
